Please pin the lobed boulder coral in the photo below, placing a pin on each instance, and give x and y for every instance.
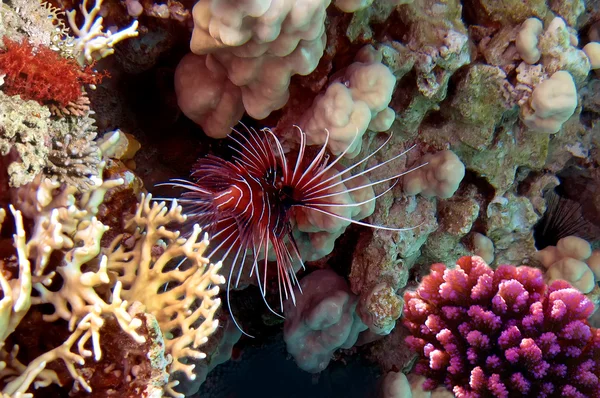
(259, 56)
(573, 260)
(323, 320)
(440, 176)
(398, 385)
(356, 101)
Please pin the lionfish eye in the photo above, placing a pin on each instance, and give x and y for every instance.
(286, 196)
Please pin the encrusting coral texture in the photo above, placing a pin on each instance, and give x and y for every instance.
(502, 333)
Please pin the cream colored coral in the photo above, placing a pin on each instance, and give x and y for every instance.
(355, 102)
(571, 260)
(256, 27)
(440, 176)
(594, 263)
(13, 307)
(261, 44)
(17, 292)
(16, 298)
(483, 247)
(219, 107)
(592, 50)
(397, 385)
(65, 223)
(154, 257)
(559, 52)
(92, 42)
(552, 103)
(69, 225)
(416, 386)
(264, 80)
(527, 40)
(36, 373)
(547, 91)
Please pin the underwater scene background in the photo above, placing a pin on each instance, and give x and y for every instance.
(300, 198)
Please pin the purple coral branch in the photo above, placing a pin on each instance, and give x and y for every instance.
(502, 333)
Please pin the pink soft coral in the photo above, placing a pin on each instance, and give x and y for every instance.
(502, 333)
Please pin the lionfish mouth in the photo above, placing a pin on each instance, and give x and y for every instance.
(247, 203)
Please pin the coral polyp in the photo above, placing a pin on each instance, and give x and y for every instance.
(250, 202)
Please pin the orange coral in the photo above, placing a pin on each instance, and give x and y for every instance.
(40, 74)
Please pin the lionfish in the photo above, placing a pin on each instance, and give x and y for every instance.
(246, 203)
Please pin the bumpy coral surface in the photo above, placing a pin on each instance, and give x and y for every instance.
(322, 320)
(502, 333)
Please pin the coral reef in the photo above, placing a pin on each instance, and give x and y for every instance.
(74, 155)
(440, 176)
(144, 260)
(40, 66)
(355, 101)
(24, 132)
(571, 260)
(377, 137)
(397, 385)
(43, 75)
(91, 42)
(261, 57)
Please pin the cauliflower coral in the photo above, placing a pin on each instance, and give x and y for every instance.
(355, 102)
(502, 333)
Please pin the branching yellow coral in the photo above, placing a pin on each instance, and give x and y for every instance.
(17, 292)
(14, 305)
(61, 223)
(150, 265)
(171, 277)
(64, 223)
(92, 43)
